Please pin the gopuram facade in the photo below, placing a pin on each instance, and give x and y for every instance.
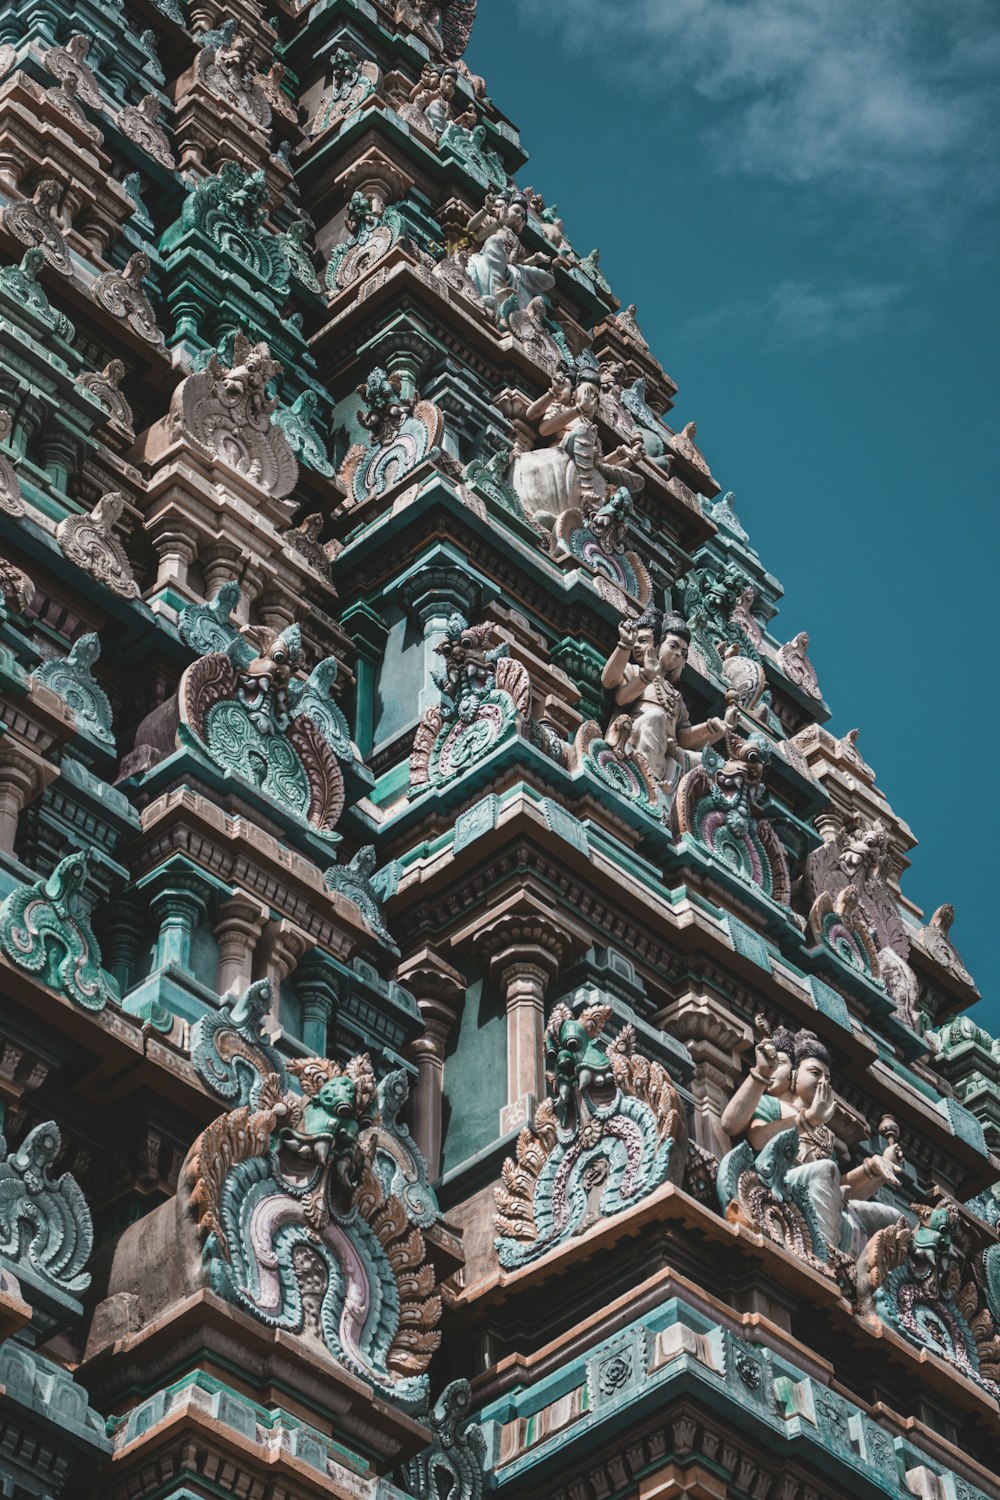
(464, 1032)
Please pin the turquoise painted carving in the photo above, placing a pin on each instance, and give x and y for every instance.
(44, 1221)
(488, 479)
(719, 804)
(607, 1138)
(452, 1467)
(598, 541)
(313, 699)
(468, 146)
(711, 599)
(371, 234)
(295, 1225)
(354, 81)
(367, 888)
(919, 1280)
(626, 771)
(205, 627)
(71, 678)
(484, 692)
(293, 246)
(20, 285)
(403, 430)
(45, 931)
(754, 1188)
(229, 210)
(296, 422)
(399, 1162)
(230, 1051)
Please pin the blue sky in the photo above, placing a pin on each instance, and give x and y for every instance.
(802, 197)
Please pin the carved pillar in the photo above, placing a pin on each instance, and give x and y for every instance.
(318, 989)
(240, 923)
(121, 933)
(219, 564)
(21, 780)
(176, 549)
(525, 953)
(370, 634)
(278, 953)
(178, 907)
(439, 990)
(715, 1038)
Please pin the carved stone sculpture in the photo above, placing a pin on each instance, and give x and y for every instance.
(784, 1179)
(10, 489)
(719, 803)
(44, 930)
(796, 665)
(304, 539)
(230, 1051)
(21, 285)
(65, 98)
(293, 246)
(711, 596)
(296, 422)
(402, 432)
(371, 233)
(72, 678)
(16, 587)
(69, 63)
(225, 66)
(451, 1468)
(935, 938)
(484, 693)
(683, 442)
(229, 209)
(575, 474)
(354, 80)
(324, 1244)
(124, 296)
(610, 1134)
(503, 272)
(359, 881)
(90, 542)
(35, 222)
(598, 541)
(923, 1280)
(106, 386)
(141, 124)
(643, 671)
(45, 1222)
(228, 412)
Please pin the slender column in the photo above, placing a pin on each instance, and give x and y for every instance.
(19, 783)
(121, 934)
(278, 953)
(240, 923)
(370, 633)
(440, 990)
(316, 984)
(525, 954)
(431, 594)
(715, 1038)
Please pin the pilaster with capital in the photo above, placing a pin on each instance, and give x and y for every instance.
(715, 1037)
(281, 946)
(439, 990)
(240, 923)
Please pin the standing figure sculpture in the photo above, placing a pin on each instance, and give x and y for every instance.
(576, 474)
(642, 671)
(501, 269)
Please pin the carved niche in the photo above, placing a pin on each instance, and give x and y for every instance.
(611, 1133)
(484, 696)
(719, 803)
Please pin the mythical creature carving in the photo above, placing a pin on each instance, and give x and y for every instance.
(123, 295)
(720, 803)
(206, 627)
(797, 667)
(10, 488)
(106, 386)
(359, 881)
(451, 1468)
(230, 1051)
(710, 597)
(225, 66)
(643, 671)
(69, 64)
(304, 539)
(935, 938)
(21, 286)
(575, 474)
(930, 1282)
(371, 233)
(71, 677)
(44, 930)
(295, 251)
(35, 223)
(612, 1132)
(296, 422)
(228, 412)
(783, 1179)
(354, 80)
(229, 209)
(90, 542)
(504, 274)
(45, 1222)
(598, 541)
(17, 589)
(324, 1251)
(484, 694)
(402, 431)
(141, 124)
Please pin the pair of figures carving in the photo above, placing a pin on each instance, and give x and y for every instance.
(789, 1156)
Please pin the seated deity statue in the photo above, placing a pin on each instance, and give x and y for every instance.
(575, 474)
(642, 671)
(789, 1087)
(501, 270)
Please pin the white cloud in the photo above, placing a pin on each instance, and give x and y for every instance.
(799, 313)
(894, 99)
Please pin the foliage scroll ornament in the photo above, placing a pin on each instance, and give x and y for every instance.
(403, 431)
(45, 930)
(225, 66)
(35, 222)
(105, 386)
(20, 284)
(90, 542)
(610, 758)
(141, 124)
(451, 1467)
(598, 541)
(367, 888)
(45, 1222)
(610, 1134)
(933, 1284)
(484, 696)
(719, 803)
(71, 678)
(229, 209)
(298, 1230)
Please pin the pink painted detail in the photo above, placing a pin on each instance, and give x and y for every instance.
(265, 1221)
(357, 1293)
